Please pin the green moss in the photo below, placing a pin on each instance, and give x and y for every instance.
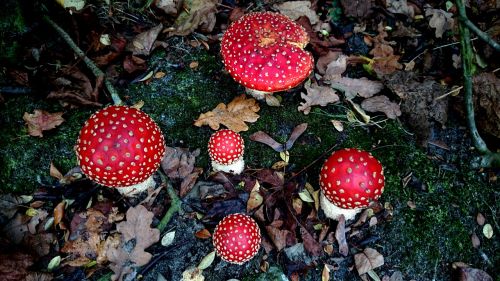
(11, 24)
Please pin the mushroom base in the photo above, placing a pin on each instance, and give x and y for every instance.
(332, 211)
(258, 95)
(234, 168)
(133, 190)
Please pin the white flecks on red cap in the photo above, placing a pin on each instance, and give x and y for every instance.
(237, 238)
(120, 146)
(225, 146)
(352, 178)
(264, 51)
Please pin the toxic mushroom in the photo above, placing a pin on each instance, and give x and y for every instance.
(226, 149)
(237, 238)
(350, 180)
(264, 52)
(120, 147)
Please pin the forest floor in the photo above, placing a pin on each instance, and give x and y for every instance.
(438, 218)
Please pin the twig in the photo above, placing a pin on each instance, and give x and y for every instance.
(449, 93)
(175, 206)
(90, 64)
(482, 35)
(489, 158)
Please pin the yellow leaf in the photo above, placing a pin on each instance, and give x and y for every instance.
(255, 199)
(206, 261)
(285, 156)
(233, 116)
(306, 196)
(488, 231)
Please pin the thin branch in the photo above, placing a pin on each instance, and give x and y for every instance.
(175, 205)
(90, 64)
(482, 35)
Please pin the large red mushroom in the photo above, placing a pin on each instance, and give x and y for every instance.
(264, 52)
(120, 147)
(237, 238)
(226, 149)
(350, 180)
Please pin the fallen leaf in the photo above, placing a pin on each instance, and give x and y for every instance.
(465, 273)
(42, 120)
(14, 265)
(59, 212)
(325, 274)
(352, 87)
(317, 95)
(142, 43)
(196, 14)
(400, 7)
(311, 246)
(168, 239)
(193, 274)
(54, 172)
(324, 61)
(169, 7)
(178, 164)
(337, 124)
(296, 133)
(488, 231)
(203, 234)
(278, 236)
(381, 103)
(340, 237)
(206, 261)
(233, 116)
(440, 20)
(368, 260)
(297, 9)
(264, 138)
(480, 219)
(8, 205)
(475, 241)
(255, 199)
(39, 276)
(136, 236)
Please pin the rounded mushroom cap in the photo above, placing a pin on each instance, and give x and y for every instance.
(225, 146)
(120, 146)
(264, 52)
(237, 238)
(351, 178)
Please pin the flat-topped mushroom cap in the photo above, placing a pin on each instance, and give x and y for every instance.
(120, 146)
(351, 178)
(264, 51)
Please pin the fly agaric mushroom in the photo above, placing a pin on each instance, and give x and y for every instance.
(264, 52)
(350, 180)
(237, 238)
(120, 147)
(226, 149)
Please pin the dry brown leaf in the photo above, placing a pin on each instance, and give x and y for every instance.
(179, 162)
(440, 20)
(42, 120)
(465, 273)
(340, 237)
(14, 266)
(87, 245)
(317, 95)
(362, 87)
(198, 14)
(357, 9)
(169, 7)
(233, 116)
(297, 9)
(480, 219)
(324, 61)
(382, 104)
(278, 236)
(39, 276)
(138, 229)
(311, 246)
(59, 213)
(74, 88)
(8, 205)
(475, 241)
(255, 199)
(142, 43)
(203, 234)
(368, 260)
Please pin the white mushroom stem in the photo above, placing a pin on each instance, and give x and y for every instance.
(258, 95)
(334, 212)
(133, 190)
(234, 168)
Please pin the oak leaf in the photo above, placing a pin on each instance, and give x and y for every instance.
(136, 236)
(297, 9)
(42, 120)
(383, 104)
(440, 20)
(195, 15)
(233, 116)
(317, 95)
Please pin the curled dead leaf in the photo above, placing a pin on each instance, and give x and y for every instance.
(42, 120)
(317, 95)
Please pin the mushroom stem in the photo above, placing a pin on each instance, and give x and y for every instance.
(234, 168)
(133, 190)
(258, 95)
(334, 212)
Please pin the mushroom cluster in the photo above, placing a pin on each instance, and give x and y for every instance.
(350, 180)
(120, 147)
(237, 238)
(264, 52)
(226, 149)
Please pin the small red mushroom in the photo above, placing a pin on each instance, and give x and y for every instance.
(237, 238)
(350, 180)
(226, 149)
(120, 147)
(264, 52)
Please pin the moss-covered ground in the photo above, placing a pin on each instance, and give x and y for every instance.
(421, 241)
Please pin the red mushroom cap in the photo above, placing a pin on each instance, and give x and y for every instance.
(237, 238)
(120, 146)
(351, 178)
(264, 52)
(225, 146)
